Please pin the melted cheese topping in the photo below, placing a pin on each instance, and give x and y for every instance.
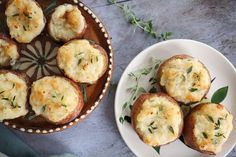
(25, 20)
(8, 53)
(54, 98)
(186, 80)
(13, 96)
(158, 121)
(66, 22)
(81, 61)
(213, 124)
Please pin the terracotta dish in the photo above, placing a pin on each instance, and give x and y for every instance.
(38, 59)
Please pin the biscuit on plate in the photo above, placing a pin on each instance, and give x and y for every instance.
(207, 127)
(184, 78)
(157, 119)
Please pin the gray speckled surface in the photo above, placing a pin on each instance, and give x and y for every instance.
(210, 21)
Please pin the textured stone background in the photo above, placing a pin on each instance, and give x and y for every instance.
(210, 21)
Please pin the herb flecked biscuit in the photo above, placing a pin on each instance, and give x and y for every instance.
(157, 119)
(13, 95)
(184, 78)
(57, 99)
(207, 127)
(8, 52)
(67, 23)
(25, 20)
(82, 61)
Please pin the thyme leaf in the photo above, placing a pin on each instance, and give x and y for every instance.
(83, 88)
(171, 129)
(219, 135)
(209, 118)
(150, 130)
(193, 89)
(205, 135)
(43, 109)
(189, 69)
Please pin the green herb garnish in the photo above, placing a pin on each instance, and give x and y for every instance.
(113, 85)
(220, 134)
(121, 119)
(79, 61)
(30, 117)
(226, 116)
(183, 78)
(54, 95)
(13, 85)
(136, 90)
(64, 105)
(205, 135)
(153, 128)
(209, 118)
(150, 130)
(83, 88)
(171, 129)
(127, 119)
(193, 89)
(157, 149)
(15, 15)
(153, 90)
(161, 108)
(214, 141)
(27, 15)
(213, 80)
(43, 109)
(50, 7)
(217, 124)
(189, 69)
(62, 97)
(219, 95)
(151, 123)
(166, 35)
(80, 53)
(12, 102)
(24, 28)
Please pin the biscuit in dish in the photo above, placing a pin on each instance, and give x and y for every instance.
(25, 20)
(57, 99)
(8, 52)
(66, 23)
(13, 95)
(82, 61)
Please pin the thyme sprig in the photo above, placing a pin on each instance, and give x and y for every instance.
(146, 26)
(136, 89)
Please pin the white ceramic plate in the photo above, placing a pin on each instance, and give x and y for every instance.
(218, 66)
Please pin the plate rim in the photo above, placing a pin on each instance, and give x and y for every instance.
(145, 51)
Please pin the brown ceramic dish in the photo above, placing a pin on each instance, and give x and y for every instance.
(38, 59)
